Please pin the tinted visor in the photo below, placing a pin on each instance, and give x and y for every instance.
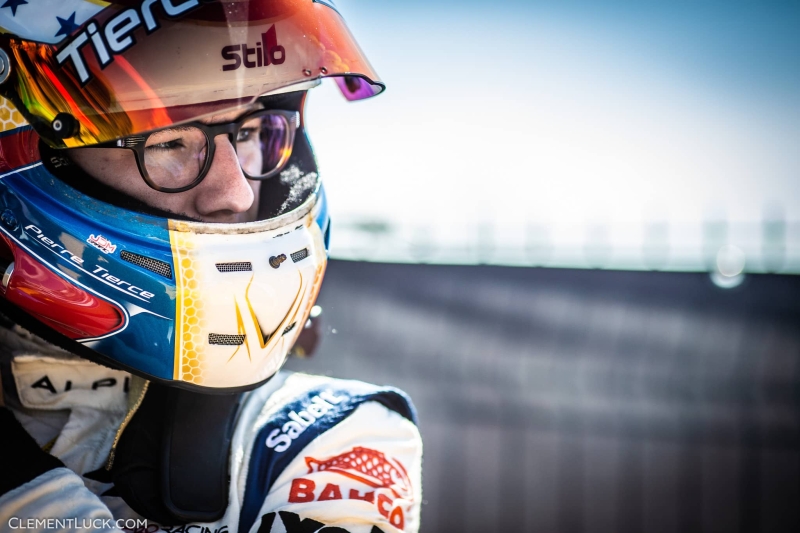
(140, 66)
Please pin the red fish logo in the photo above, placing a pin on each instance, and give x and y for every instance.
(368, 466)
(389, 486)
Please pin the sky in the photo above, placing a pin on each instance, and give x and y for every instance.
(580, 128)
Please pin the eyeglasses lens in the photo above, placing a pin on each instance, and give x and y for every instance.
(175, 157)
(263, 145)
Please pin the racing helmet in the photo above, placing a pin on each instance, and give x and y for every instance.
(197, 305)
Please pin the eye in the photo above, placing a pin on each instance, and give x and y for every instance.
(179, 138)
(246, 134)
(166, 145)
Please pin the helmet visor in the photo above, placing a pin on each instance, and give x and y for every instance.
(140, 66)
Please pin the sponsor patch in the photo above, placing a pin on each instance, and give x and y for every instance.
(300, 420)
(102, 244)
(267, 463)
(263, 54)
(368, 476)
(53, 383)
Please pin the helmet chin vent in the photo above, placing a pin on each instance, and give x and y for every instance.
(222, 339)
(299, 255)
(153, 265)
(241, 266)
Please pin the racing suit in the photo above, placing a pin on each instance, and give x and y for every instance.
(308, 453)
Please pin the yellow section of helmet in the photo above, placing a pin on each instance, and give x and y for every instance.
(190, 319)
(243, 295)
(10, 118)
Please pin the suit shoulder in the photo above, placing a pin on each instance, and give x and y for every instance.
(311, 421)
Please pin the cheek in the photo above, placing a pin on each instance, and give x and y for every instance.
(251, 161)
(117, 169)
(252, 213)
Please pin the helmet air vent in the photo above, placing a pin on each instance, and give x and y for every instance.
(289, 328)
(299, 255)
(222, 339)
(240, 266)
(153, 265)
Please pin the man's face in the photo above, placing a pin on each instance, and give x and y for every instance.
(224, 195)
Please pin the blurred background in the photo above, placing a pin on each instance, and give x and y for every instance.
(571, 231)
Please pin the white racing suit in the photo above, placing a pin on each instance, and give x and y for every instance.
(357, 470)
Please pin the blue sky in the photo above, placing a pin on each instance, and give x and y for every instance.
(570, 115)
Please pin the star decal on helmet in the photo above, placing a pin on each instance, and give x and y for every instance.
(68, 25)
(14, 5)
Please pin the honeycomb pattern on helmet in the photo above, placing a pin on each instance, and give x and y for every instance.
(190, 341)
(10, 118)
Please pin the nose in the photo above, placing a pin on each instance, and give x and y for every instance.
(224, 195)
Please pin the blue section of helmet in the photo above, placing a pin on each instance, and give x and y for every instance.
(55, 223)
(323, 220)
(141, 344)
(15, 131)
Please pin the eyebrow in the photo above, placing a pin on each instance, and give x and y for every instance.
(175, 128)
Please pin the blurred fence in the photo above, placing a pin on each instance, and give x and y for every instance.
(771, 245)
(582, 400)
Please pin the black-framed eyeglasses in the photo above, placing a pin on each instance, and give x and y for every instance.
(178, 158)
